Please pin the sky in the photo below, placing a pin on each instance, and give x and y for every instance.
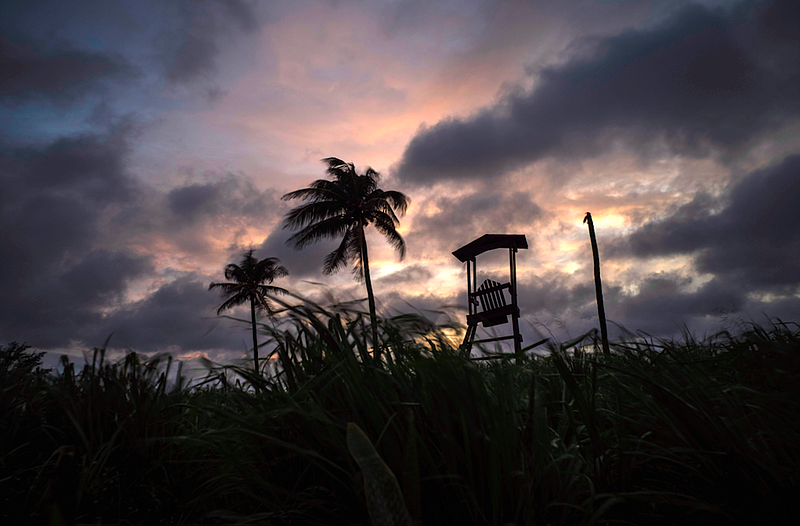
(145, 145)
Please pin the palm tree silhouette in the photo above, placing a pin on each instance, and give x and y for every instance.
(248, 284)
(344, 206)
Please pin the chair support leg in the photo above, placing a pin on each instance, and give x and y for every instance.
(466, 346)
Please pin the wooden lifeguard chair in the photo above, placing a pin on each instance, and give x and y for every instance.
(487, 302)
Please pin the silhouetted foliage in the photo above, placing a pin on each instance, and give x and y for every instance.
(656, 432)
(15, 358)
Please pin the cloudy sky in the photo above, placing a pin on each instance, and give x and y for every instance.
(144, 145)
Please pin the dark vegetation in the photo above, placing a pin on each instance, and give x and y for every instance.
(657, 432)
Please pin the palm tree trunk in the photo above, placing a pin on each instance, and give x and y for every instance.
(373, 315)
(601, 311)
(255, 340)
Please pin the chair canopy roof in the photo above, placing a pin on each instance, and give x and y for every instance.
(490, 242)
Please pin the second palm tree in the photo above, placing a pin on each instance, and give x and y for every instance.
(344, 205)
(247, 284)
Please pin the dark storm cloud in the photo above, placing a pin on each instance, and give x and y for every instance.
(194, 57)
(189, 201)
(550, 293)
(89, 166)
(705, 77)
(753, 240)
(665, 297)
(54, 280)
(664, 307)
(33, 71)
(98, 279)
(61, 52)
(47, 307)
(53, 200)
(53, 197)
(189, 218)
(191, 47)
(229, 195)
(458, 220)
(785, 309)
(179, 315)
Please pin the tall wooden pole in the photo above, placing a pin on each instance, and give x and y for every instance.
(598, 286)
(512, 262)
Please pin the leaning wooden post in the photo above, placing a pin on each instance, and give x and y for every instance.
(601, 311)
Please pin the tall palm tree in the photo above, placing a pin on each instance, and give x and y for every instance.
(247, 283)
(343, 206)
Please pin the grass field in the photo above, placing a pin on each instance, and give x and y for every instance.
(659, 432)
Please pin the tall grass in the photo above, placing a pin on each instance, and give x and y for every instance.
(656, 432)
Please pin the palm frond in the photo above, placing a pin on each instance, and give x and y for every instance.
(372, 174)
(328, 228)
(262, 298)
(333, 162)
(386, 226)
(312, 212)
(226, 288)
(355, 253)
(339, 257)
(272, 290)
(233, 301)
(236, 273)
(319, 190)
(377, 207)
(398, 200)
(269, 269)
(367, 184)
(338, 169)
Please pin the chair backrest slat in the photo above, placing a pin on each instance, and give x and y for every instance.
(493, 299)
